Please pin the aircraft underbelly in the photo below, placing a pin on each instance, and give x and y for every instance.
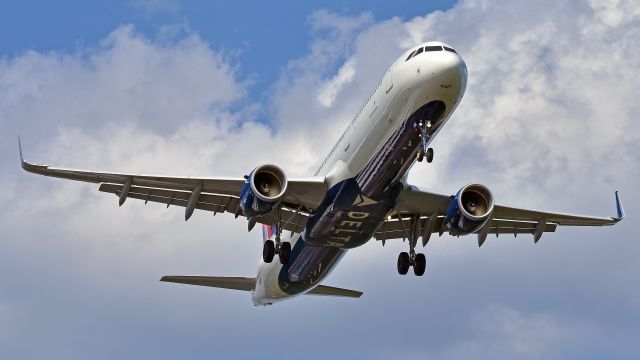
(354, 208)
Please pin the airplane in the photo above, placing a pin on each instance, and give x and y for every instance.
(358, 192)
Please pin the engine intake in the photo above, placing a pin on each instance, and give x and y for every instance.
(469, 209)
(265, 186)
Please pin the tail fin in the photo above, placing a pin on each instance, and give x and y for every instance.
(619, 208)
(267, 232)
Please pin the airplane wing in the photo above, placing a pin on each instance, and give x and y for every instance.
(204, 193)
(431, 209)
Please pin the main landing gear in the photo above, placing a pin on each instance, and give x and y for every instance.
(407, 260)
(425, 134)
(419, 263)
(271, 248)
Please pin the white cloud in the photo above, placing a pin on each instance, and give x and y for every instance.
(548, 120)
(331, 89)
(502, 332)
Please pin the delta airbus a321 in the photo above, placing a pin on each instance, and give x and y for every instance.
(358, 192)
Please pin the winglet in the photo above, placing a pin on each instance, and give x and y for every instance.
(619, 208)
(20, 148)
(34, 168)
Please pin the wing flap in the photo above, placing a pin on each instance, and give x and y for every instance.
(392, 229)
(518, 227)
(210, 202)
(291, 220)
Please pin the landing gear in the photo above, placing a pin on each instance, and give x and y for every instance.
(284, 252)
(270, 249)
(422, 154)
(425, 134)
(419, 264)
(403, 263)
(407, 260)
(429, 155)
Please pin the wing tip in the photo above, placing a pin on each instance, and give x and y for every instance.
(27, 166)
(22, 163)
(619, 208)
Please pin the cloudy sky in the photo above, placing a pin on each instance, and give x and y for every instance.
(549, 121)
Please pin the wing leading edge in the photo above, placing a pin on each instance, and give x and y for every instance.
(204, 193)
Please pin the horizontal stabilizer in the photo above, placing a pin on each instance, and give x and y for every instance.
(248, 284)
(234, 283)
(334, 291)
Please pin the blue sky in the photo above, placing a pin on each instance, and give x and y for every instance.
(261, 36)
(548, 121)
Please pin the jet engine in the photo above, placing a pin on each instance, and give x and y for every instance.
(264, 188)
(470, 208)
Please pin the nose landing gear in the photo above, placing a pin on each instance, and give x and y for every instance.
(425, 134)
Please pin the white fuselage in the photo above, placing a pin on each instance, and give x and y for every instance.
(406, 87)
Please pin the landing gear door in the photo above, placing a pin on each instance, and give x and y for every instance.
(388, 82)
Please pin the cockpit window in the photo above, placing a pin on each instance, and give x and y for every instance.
(429, 48)
(416, 52)
(433, 48)
(410, 55)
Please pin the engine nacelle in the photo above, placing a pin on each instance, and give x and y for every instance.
(469, 210)
(264, 188)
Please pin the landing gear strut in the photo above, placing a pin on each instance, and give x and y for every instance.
(407, 260)
(282, 248)
(425, 134)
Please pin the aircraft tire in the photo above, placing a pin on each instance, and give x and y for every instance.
(420, 265)
(403, 263)
(285, 252)
(268, 251)
(429, 155)
(420, 155)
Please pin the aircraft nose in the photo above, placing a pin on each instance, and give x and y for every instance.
(443, 73)
(451, 69)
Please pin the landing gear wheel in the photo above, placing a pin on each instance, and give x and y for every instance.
(268, 251)
(420, 155)
(420, 264)
(285, 252)
(403, 263)
(429, 155)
